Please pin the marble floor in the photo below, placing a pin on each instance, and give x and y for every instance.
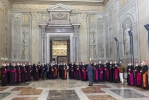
(72, 90)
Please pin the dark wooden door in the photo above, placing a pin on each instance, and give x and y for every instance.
(68, 51)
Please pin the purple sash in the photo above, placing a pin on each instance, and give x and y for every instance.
(4, 72)
(8, 70)
(116, 73)
(131, 78)
(14, 71)
(101, 72)
(138, 78)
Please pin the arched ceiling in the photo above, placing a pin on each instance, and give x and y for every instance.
(100, 2)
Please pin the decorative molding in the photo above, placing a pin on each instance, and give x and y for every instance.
(35, 15)
(46, 6)
(83, 16)
(60, 7)
(70, 2)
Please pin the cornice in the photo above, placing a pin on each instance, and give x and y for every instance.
(67, 2)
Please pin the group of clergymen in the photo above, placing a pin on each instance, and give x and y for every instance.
(15, 73)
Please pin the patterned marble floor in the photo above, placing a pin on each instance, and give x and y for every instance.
(72, 90)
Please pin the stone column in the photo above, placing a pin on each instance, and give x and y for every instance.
(35, 37)
(6, 40)
(83, 38)
(43, 47)
(76, 31)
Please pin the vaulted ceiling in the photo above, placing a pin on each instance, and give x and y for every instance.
(101, 2)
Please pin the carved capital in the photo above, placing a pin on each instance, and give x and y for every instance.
(73, 19)
(83, 16)
(35, 15)
(76, 29)
(46, 18)
(16, 15)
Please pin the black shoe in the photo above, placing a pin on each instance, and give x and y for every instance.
(89, 85)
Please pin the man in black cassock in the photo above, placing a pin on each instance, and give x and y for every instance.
(47, 66)
(95, 72)
(13, 77)
(52, 71)
(35, 72)
(137, 74)
(116, 77)
(39, 70)
(84, 72)
(8, 72)
(105, 72)
(18, 72)
(77, 68)
(24, 73)
(130, 71)
(111, 69)
(4, 75)
(42, 70)
(101, 72)
(60, 70)
(29, 71)
(71, 71)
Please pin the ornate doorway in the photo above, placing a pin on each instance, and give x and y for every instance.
(59, 24)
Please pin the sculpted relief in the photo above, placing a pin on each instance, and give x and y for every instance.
(100, 39)
(25, 45)
(127, 26)
(59, 16)
(73, 19)
(16, 53)
(25, 18)
(93, 44)
(126, 40)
